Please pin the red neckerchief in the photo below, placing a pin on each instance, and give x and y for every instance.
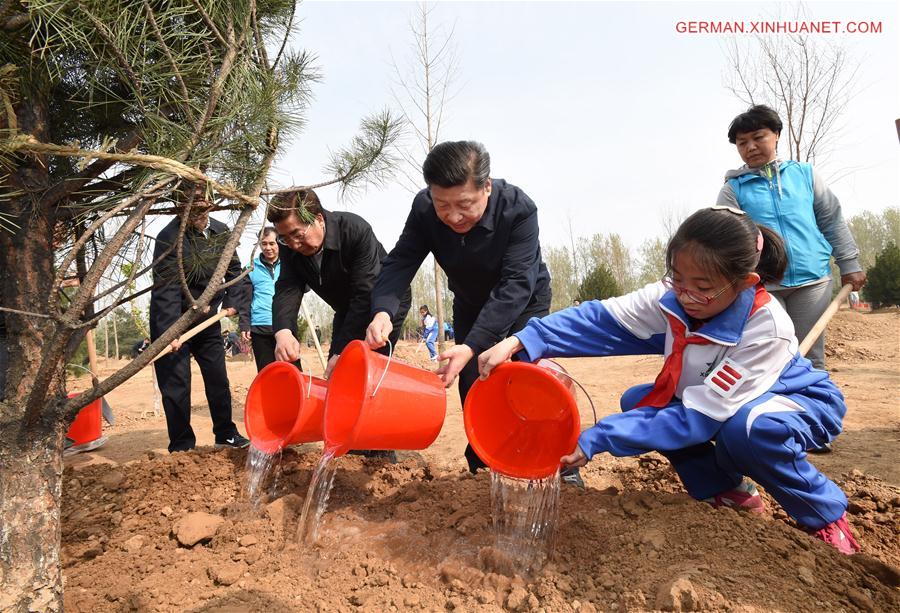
(667, 381)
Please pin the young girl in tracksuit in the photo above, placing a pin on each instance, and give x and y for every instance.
(429, 330)
(734, 398)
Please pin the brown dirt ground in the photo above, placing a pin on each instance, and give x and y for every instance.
(417, 535)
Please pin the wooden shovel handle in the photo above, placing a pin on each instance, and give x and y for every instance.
(192, 332)
(817, 329)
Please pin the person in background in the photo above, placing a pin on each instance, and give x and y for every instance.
(429, 330)
(266, 268)
(734, 399)
(138, 348)
(448, 331)
(232, 342)
(792, 199)
(202, 243)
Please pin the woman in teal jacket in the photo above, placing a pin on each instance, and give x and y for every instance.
(265, 272)
(790, 198)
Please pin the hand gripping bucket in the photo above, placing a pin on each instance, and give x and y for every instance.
(284, 407)
(522, 419)
(377, 403)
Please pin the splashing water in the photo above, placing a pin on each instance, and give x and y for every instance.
(317, 498)
(525, 514)
(258, 470)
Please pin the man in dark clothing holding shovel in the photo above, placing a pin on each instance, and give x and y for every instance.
(202, 243)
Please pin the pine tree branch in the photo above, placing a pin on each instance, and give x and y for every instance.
(209, 23)
(82, 240)
(65, 188)
(287, 33)
(104, 33)
(151, 17)
(27, 143)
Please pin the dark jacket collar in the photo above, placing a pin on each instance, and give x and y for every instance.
(487, 218)
(332, 230)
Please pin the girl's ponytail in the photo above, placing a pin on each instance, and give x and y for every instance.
(772, 258)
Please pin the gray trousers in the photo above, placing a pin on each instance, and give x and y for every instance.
(805, 305)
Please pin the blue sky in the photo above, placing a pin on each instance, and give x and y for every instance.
(600, 111)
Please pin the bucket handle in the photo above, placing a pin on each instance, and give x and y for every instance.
(390, 355)
(308, 387)
(575, 381)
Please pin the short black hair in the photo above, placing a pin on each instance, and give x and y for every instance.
(268, 230)
(301, 202)
(453, 163)
(756, 118)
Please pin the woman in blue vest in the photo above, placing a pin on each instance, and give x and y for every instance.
(792, 199)
(266, 268)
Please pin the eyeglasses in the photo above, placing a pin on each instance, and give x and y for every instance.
(294, 237)
(691, 295)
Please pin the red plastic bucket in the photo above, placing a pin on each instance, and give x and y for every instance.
(374, 404)
(522, 419)
(284, 407)
(87, 426)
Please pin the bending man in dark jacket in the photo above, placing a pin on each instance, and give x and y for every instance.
(484, 234)
(203, 240)
(338, 257)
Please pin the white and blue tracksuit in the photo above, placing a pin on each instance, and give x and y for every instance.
(429, 332)
(760, 427)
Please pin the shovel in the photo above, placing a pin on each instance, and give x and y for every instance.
(816, 332)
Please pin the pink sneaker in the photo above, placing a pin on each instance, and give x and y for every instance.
(744, 497)
(837, 534)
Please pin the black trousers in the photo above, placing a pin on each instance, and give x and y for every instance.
(469, 374)
(263, 349)
(173, 373)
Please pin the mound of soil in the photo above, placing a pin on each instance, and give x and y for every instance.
(858, 337)
(408, 536)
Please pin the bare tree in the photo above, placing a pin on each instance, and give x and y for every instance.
(808, 80)
(563, 282)
(108, 108)
(424, 88)
(652, 261)
(611, 252)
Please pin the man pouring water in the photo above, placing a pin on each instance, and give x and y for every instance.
(484, 234)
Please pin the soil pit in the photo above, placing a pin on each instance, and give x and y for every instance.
(409, 537)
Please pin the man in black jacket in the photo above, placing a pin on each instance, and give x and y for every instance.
(337, 256)
(484, 234)
(202, 243)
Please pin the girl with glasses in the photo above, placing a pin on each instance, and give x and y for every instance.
(734, 400)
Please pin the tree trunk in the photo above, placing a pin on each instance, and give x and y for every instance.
(106, 339)
(31, 425)
(92, 352)
(115, 336)
(30, 493)
(439, 305)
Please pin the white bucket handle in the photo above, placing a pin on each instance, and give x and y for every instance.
(308, 387)
(575, 381)
(390, 355)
